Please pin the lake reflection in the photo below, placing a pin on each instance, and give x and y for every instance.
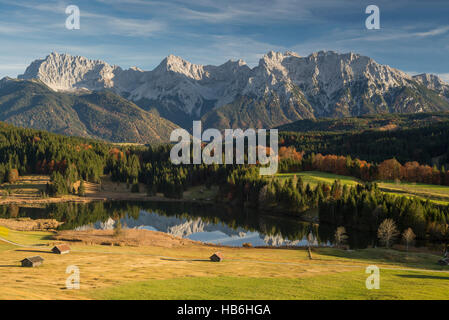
(206, 223)
(199, 230)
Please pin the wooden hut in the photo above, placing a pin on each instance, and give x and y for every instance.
(216, 257)
(61, 249)
(32, 262)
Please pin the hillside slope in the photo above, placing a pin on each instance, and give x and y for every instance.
(407, 137)
(101, 115)
(380, 122)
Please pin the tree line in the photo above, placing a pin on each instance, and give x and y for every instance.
(391, 169)
(423, 144)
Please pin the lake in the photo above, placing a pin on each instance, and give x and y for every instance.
(208, 223)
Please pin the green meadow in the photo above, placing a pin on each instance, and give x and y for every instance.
(435, 193)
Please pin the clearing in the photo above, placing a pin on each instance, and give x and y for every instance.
(435, 193)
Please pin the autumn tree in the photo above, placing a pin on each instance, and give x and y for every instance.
(387, 232)
(408, 236)
(340, 236)
(390, 170)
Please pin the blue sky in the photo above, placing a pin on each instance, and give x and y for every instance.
(414, 34)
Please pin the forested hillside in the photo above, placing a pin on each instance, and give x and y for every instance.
(31, 151)
(100, 115)
(412, 137)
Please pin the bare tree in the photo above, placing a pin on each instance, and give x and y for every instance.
(340, 236)
(118, 231)
(387, 232)
(309, 242)
(408, 236)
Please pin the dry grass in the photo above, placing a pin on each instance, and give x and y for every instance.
(388, 127)
(127, 237)
(169, 258)
(28, 224)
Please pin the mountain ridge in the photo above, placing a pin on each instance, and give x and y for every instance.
(282, 88)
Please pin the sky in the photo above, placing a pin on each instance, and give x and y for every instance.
(413, 34)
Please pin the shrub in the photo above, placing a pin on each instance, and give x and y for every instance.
(13, 175)
(82, 189)
(118, 231)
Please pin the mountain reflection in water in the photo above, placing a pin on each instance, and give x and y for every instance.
(198, 230)
(207, 223)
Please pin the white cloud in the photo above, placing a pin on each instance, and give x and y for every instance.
(39, 16)
(127, 27)
(433, 32)
(216, 12)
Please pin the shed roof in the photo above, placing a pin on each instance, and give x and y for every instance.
(61, 247)
(34, 259)
(216, 255)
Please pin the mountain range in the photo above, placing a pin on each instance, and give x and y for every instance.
(282, 88)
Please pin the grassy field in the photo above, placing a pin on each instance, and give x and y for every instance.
(200, 193)
(343, 286)
(435, 193)
(184, 272)
(315, 177)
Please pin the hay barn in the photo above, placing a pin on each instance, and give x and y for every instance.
(32, 262)
(61, 249)
(216, 257)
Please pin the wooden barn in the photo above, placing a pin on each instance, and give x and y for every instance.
(32, 262)
(61, 249)
(216, 257)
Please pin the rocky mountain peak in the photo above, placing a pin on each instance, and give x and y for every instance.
(66, 72)
(324, 83)
(430, 80)
(433, 82)
(180, 66)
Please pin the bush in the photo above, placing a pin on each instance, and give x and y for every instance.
(118, 231)
(82, 189)
(13, 175)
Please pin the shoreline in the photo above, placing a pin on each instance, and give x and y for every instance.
(93, 198)
(27, 192)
